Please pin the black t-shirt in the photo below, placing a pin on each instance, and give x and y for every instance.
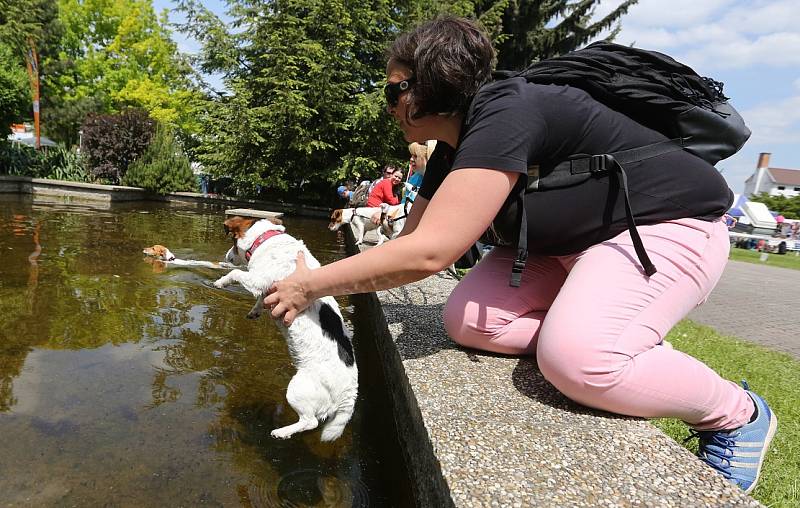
(513, 125)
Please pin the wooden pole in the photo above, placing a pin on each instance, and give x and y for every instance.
(33, 75)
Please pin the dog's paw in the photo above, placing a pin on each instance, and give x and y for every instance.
(281, 433)
(219, 283)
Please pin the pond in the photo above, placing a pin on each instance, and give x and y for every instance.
(127, 383)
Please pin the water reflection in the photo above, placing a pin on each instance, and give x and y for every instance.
(125, 381)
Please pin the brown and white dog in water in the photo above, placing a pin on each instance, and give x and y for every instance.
(326, 383)
(159, 252)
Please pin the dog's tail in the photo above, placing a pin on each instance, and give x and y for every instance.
(334, 427)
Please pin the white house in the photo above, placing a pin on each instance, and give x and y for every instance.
(775, 181)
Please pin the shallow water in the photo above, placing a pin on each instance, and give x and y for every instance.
(127, 383)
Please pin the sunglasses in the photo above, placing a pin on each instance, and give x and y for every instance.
(392, 91)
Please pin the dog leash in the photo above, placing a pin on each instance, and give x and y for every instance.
(391, 221)
(356, 214)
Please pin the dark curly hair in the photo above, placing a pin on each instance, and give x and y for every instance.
(450, 57)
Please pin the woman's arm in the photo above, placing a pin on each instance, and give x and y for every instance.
(456, 216)
(414, 215)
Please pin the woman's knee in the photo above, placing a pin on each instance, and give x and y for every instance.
(462, 327)
(576, 367)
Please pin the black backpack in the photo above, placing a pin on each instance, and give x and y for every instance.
(651, 88)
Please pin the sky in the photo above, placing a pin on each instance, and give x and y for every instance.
(753, 47)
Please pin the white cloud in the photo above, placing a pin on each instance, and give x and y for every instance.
(764, 17)
(775, 122)
(666, 13)
(738, 168)
(715, 34)
(773, 50)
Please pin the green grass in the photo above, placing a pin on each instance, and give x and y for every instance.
(788, 260)
(774, 376)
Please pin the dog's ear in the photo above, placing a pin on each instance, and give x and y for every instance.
(336, 216)
(237, 226)
(229, 224)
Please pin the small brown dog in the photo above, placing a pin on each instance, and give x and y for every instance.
(159, 252)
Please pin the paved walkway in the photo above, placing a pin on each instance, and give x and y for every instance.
(758, 303)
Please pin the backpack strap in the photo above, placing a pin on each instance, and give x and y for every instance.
(579, 164)
(614, 162)
(522, 242)
(638, 246)
(582, 164)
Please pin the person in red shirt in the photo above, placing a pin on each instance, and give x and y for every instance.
(387, 190)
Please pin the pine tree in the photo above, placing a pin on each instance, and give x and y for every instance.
(163, 167)
(525, 31)
(537, 29)
(304, 104)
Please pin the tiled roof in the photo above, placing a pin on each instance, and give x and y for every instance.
(785, 176)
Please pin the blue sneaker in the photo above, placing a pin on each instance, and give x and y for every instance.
(738, 454)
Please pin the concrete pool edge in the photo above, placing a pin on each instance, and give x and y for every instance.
(80, 193)
(428, 485)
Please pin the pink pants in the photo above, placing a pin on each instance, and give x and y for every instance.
(596, 322)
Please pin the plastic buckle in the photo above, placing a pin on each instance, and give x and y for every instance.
(600, 163)
(516, 273)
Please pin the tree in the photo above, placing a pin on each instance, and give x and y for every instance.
(536, 29)
(163, 167)
(62, 117)
(115, 54)
(22, 22)
(303, 78)
(789, 207)
(525, 31)
(15, 96)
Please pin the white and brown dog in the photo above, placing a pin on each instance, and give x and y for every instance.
(361, 221)
(326, 383)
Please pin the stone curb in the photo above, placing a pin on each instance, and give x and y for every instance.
(77, 192)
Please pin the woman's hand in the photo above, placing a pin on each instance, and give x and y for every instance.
(288, 297)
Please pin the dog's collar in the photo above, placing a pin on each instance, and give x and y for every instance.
(263, 237)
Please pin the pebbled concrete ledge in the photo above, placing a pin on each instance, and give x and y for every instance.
(483, 430)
